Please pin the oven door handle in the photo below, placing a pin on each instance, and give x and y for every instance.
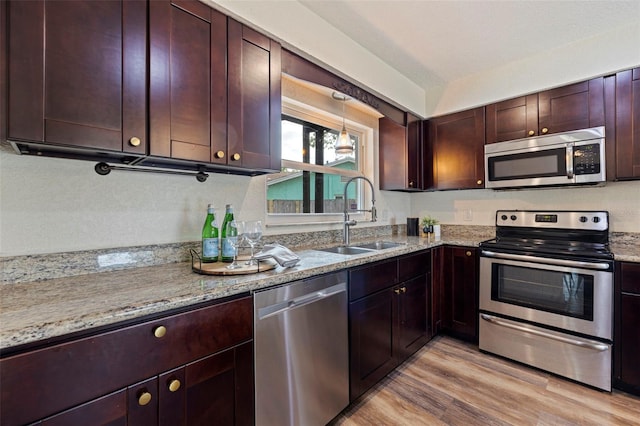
(585, 343)
(559, 262)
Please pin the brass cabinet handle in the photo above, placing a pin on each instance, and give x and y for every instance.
(544, 130)
(531, 133)
(235, 157)
(174, 385)
(479, 181)
(134, 141)
(144, 398)
(468, 253)
(219, 154)
(160, 331)
(396, 291)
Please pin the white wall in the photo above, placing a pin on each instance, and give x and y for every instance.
(621, 199)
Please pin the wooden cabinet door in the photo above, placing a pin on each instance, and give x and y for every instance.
(457, 147)
(628, 124)
(371, 341)
(572, 107)
(626, 341)
(512, 119)
(437, 284)
(411, 318)
(219, 389)
(187, 85)
(629, 343)
(254, 99)
(400, 150)
(460, 307)
(77, 74)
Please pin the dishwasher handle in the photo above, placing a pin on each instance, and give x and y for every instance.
(298, 302)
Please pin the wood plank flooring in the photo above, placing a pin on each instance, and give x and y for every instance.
(449, 382)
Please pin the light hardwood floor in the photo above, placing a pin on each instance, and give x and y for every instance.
(449, 382)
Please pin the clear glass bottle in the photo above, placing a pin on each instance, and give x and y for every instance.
(210, 237)
(227, 249)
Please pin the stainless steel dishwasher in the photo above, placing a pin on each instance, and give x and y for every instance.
(301, 352)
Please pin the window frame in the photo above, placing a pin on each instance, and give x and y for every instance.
(301, 111)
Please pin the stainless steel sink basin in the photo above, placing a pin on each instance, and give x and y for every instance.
(346, 250)
(380, 245)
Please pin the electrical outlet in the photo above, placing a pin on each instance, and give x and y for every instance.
(467, 215)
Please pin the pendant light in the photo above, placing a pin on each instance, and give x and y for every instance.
(343, 146)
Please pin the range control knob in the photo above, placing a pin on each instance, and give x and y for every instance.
(595, 219)
(503, 217)
(513, 217)
(583, 219)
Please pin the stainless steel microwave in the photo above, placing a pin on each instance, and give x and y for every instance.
(569, 158)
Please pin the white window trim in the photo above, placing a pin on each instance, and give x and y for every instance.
(364, 161)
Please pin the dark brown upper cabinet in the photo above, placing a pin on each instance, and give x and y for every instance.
(627, 119)
(187, 84)
(572, 107)
(77, 74)
(255, 105)
(455, 146)
(86, 79)
(401, 154)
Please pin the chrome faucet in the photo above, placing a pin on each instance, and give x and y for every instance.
(348, 223)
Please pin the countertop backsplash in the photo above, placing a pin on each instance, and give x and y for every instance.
(18, 269)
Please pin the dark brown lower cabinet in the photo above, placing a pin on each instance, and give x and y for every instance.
(626, 345)
(460, 293)
(186, 369)
(388, 317)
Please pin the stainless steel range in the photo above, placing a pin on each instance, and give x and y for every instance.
(546, 293)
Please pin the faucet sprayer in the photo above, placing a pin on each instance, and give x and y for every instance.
(347, 222)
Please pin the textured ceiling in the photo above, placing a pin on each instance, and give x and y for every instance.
(435, 42)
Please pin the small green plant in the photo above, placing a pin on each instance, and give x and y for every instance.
(428, 221)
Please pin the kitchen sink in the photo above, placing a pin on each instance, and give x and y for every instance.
(346, 250)
(361, 248)
(380, 245)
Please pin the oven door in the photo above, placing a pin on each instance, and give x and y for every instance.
(575, 296)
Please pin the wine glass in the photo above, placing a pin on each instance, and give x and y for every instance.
(252, 233)
(233, 233)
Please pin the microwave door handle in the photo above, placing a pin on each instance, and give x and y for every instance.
(569, 161)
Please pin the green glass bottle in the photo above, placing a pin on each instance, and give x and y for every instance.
(210, 237)
(227, 249)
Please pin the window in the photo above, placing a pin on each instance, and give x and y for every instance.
(313, 177)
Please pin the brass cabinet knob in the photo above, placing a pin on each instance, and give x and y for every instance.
(174, 385)
(403, 289)
(160, 331)
(235, 157)
(219, 154)
(479, 181)
(544, 130)
(144, 398)
(468, 253)
(410, 184)
(531, 133)
(396, 291)
(134, 141)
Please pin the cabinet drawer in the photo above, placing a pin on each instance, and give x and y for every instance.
(39, 383)
(414, 265)
(368, 279)
(630, 277)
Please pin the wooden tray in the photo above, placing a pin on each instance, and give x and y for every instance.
(220, 268)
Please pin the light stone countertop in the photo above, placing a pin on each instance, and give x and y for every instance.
(41, 310)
